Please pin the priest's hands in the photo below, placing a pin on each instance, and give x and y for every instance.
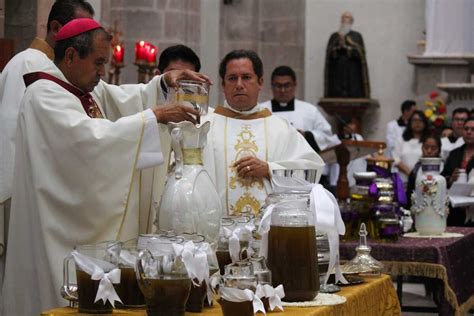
(175, 113)
(172, 76)
(252, 167)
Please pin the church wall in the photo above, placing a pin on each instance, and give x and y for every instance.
(390, 29)
(20, 22)
(272, 28)
(161, 22)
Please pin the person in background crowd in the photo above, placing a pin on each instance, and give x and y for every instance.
(396, 128)
(461, 158)
(178, 57)
(407, 149)
(304, 116)
(431, 147)
(455, 140)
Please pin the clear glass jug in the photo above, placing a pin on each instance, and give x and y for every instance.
(292, 251)
(105, 256)
(162, 276)
(190, 203)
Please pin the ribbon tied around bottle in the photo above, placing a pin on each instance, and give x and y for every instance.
(95, 268)
(237, 295)
(195, 259)
(327, 216)
(274, 295)
(235, 236)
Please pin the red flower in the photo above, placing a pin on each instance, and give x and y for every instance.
(434, 95)
(438, 122)
(442, 109)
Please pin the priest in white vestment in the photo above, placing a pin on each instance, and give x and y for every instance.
(78, 156)
(37, 57)
(246, 142)
(302, 115)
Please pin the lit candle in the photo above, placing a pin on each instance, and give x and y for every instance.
(151, 54)
(118, 54)
(140, 51)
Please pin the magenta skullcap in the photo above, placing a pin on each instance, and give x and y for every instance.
(76, 27)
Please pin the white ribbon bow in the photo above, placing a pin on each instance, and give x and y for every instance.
(195, 260)
(234, 239)
(236, 295)
(274, 295)
(95, 268)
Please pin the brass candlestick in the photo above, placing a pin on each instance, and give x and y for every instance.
(114, 73)
(145, 70)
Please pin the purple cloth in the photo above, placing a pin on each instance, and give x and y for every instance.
(398, 188)
(456, 254)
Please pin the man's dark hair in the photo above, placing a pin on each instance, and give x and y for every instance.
(283, 71)
(408, 133)
(407, 105)
(238, 54)
(461, 110)
(64, 11)
(82, 43)
(469, 119)
(178, 52)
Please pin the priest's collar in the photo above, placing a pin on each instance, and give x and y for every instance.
(255, 109)
(401, 122)
(280, 107)
(43, 46)
(254, 113)
(452, 139)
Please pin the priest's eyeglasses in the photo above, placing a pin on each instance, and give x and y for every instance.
(285, 86)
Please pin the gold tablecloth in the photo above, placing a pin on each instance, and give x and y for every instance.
(375, 297)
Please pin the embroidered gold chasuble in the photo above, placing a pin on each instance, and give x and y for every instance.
(258, 134)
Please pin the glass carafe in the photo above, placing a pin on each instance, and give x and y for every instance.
(101, 256)
(194, 94)
(162, 277)
(238, 275)
(190, 203)
(292, 251)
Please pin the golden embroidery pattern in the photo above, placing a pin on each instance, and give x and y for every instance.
(245, 146)
(94, 111)
(245, 204)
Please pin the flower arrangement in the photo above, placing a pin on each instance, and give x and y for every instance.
(436, 110)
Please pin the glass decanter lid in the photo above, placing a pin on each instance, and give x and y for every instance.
(363, 262)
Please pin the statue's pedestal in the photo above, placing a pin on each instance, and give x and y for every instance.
(453, 74)
(353, 107)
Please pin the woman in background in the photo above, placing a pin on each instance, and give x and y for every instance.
(431, 147)
(407, 150)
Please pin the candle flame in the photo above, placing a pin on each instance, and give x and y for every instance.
(142, 43)
(118, 48)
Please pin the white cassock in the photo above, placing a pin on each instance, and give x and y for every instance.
(306, 116)
(448, 144)
(76, 181)
(395, 129)
(255, 133)
(12, 88)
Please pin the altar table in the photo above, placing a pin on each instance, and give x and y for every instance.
(375, 297)
(448, 260)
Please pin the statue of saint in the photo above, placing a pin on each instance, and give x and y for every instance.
(346, 74)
